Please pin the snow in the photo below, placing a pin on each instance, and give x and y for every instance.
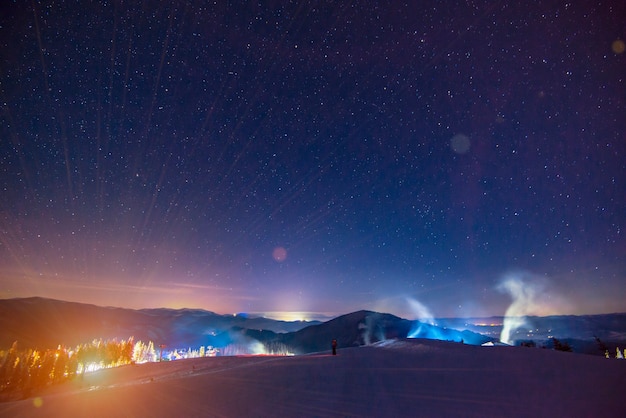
(423, 378)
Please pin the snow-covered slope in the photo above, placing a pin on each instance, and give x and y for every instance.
(423, 378)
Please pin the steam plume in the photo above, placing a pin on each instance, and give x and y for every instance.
(423, 315)
(421, 312)
(524, 303)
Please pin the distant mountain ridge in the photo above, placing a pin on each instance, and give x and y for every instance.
(45, 323)
(588, 334)
(368, 327)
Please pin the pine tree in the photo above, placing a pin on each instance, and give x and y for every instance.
(559, 346)
(72, 365)
(126, 355)
(58, 372)
(143, 353)
(6, 366)
(151, 354)
(138, 350)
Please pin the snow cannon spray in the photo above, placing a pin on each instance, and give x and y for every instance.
(524, 296)
(424, 315)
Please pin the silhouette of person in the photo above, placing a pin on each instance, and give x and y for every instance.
(334, 345)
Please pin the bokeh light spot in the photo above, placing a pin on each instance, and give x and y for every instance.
(618, 46)
(460, 143)
(37, 402)
(279, 254)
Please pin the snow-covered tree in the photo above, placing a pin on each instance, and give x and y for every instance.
(151, 354)
(143, 353)
(138, 352)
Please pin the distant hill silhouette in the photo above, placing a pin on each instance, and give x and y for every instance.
(589, 334)
(364, 328)
(46, 323)
(351, 330)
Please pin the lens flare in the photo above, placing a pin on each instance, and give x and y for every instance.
(279, 254)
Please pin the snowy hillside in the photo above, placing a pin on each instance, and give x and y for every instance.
(423, 378)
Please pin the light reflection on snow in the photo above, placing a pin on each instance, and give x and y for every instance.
(90, 367)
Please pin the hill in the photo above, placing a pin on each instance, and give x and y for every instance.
(590, 334)
(396, 378)
(363, 328)
(46, 323)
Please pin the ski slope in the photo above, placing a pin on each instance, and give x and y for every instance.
(422, 378)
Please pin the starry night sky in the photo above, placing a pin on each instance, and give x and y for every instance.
(314, 158)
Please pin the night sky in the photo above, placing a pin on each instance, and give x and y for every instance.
(303, 159)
